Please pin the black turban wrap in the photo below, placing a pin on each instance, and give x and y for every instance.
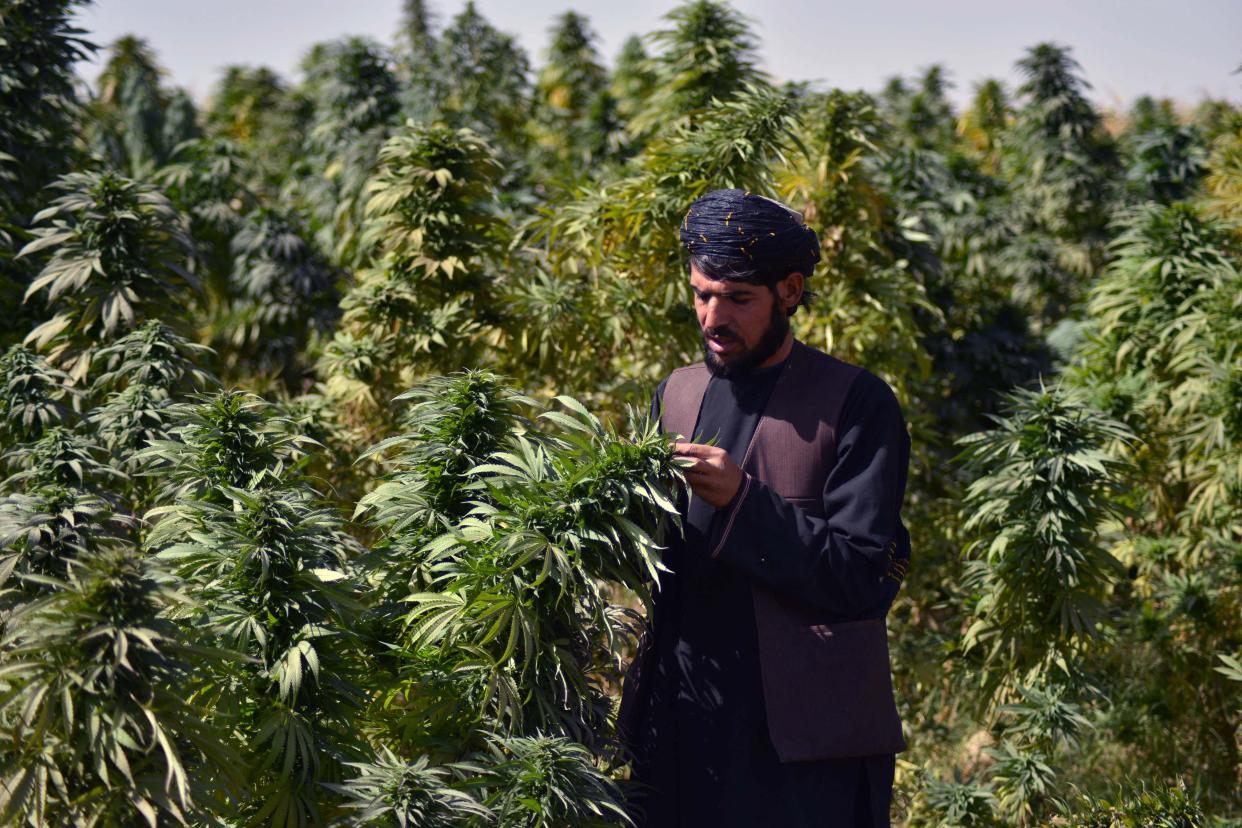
(750, 231)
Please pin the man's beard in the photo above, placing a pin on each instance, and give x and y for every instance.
(747, 361)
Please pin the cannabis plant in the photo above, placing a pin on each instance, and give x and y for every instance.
(225, 441)
(432, 226)
(706, 55)
(1158, 321)
(269, 569)
(574, 118)
(352, 96)
(269, 566)
(118, 251)
(33, 396)
(1044, 482)
(455, 423)
(1167, 163)
(517, 581)
(486, 88)
(137, 381)
(208, 180)
(136, 122)
(37, 53)
(500, 536)
(953, 804)
(541, 782)
(99, 726)
(1159, 806)
(283, 296)
(389, 792)
(1061, 164)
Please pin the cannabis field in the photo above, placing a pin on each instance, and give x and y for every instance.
(328, 496)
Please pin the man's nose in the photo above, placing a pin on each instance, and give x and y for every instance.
(715, 315)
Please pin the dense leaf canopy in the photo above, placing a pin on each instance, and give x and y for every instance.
(327, 494)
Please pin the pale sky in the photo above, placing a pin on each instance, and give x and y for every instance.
(1184, 50)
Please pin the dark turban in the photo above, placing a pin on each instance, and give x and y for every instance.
(749, 232)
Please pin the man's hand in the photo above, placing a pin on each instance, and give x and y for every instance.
(712, 475)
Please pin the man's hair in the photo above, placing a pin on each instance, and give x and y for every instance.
(751, 273)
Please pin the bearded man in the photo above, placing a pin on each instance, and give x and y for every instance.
(761, 694)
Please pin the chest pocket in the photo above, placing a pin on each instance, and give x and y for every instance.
(793, 459)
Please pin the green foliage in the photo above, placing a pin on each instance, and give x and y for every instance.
(60, 457)
(1163, 314)
(430, 214)
(1044, 482)
(707, 54)
(270, 566)
(43, 533)
(137, 123)
(511, 593)
(865, 281)
(254, 107)
(283, 297)
(922, 114)
(1023, 780)
(98, 723)
(633, 78)
(33, 395)
(1167, 163)
(38, 47)
(117, 248)
(989, 116)
(541, 781)
(351, 95)
(144, 374)
(454, 424)
(1061, 162)
(389, 792)
(206, 181)
(228, 440)
(432, 225)
(575, 119)
(954, 803)
(1160, 353)
(486, 85)
(1164, 807)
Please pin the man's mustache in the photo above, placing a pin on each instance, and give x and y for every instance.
(720, 333)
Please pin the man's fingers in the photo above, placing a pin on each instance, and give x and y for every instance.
(693, 449)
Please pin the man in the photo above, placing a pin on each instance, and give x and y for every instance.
(761, 695)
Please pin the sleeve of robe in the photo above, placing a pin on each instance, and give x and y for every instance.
(851, 561)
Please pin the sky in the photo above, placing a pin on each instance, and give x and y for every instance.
(1183, 50)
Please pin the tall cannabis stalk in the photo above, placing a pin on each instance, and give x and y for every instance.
(353, 104)
(118, 253)
(433, 230)
(98, 722)
(269, 566)
(707, 54)
(283, 298)
(575, 122)
(1044, 482)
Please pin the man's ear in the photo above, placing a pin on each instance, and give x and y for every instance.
(789, 290)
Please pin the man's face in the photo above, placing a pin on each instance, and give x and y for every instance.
(743, 325)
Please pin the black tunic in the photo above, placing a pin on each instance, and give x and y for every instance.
(703, 754)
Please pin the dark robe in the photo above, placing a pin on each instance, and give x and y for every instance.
(703, 754)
